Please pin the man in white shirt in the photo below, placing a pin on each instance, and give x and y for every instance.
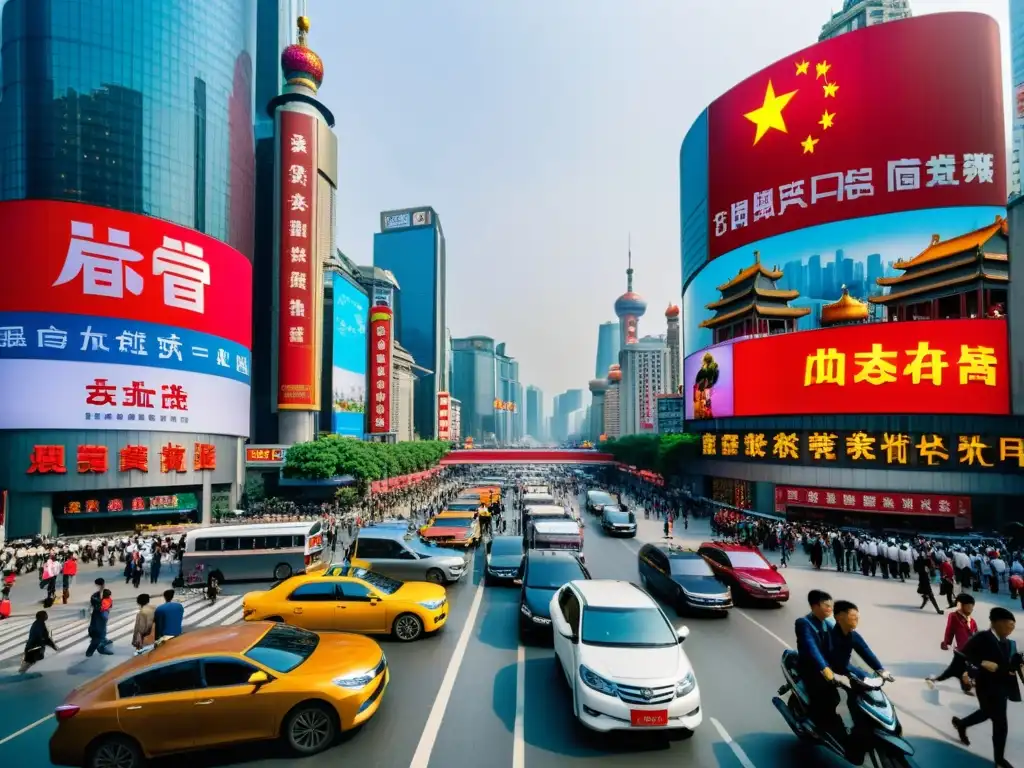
(872, 552)
(892, 553)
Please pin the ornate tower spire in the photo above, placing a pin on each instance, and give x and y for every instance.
(629, 263)
(300, 64)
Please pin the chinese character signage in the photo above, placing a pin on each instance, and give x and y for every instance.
(379, 378)
(929, 367)
(504, 405)
(350, 307)
(300, 275)
(444, 416)
(829, 134)
(869, 449)
(265, 455)
(97, 459)
(181, 503)
(877, 502)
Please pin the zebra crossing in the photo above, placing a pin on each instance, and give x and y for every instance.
(72, 634)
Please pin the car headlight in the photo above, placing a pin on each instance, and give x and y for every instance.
(751, 583)
(593, 680)
(432, 605)
(525, 610)
(360, 680)
(686, 685)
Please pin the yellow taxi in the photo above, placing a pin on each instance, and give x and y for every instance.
(220, 686)
(453, 529)
(487, 494)
(352, 598)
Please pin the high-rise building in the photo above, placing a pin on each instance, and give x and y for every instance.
(485, 379)
(126, 137)
(1017, 97)
(857, 14)
(536, 423)
(612, 423)
(674, 353)
(645, 371)
(565, 403)
(411, 246)
(595, 427)
(508, 409)
(607, 347)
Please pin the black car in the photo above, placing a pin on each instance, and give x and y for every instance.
(683, 578)
(544, 572)
(616, 521)
(504, 559)
(598, 500)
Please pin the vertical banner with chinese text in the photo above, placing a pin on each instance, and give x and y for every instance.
(298, 366)
(444, 430)
(379, 379)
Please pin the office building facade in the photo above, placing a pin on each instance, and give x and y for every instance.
(672, 338)
(485, 380)
(857, 14)
(564, 404)
(536, 423)
(1017, 96)
(607, 347)
(612, 402)
(411, 246)
(645, 371)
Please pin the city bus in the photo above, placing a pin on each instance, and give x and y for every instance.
(270, 551)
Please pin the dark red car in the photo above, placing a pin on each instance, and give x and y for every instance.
(746, 571)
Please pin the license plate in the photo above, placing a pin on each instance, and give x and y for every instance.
(647, 718)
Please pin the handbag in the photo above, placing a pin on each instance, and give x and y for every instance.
(33, 655)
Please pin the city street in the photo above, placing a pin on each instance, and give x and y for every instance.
(473, 696)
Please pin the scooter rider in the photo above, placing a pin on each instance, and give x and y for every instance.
(812, 644)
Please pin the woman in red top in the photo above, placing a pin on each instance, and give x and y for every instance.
(946, 582)
(960, 628)
(68, 573)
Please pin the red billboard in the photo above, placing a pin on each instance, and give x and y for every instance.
(919, 366)
(880, 502)
(379, 379)
(444, 423)
(300, 295)
(894, 117)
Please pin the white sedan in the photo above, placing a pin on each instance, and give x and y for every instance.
(623, 659)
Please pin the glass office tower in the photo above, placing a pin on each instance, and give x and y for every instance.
(607, 348)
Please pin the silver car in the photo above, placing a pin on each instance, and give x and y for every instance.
(399, 553)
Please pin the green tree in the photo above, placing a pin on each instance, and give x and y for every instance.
(332, 456)
(664, 454)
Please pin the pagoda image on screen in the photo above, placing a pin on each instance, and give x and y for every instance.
(751, 305)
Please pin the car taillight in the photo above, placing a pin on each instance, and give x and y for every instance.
(307, 559)
(65, 712)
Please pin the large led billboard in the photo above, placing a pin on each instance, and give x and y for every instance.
(112, 320)
(351, 311)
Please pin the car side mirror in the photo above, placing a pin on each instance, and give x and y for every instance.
(259, 678)
(682, 633)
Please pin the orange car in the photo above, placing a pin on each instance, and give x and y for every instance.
(219, 686)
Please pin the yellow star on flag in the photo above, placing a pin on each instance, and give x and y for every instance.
(769, 115)
(830, 89)
(822, 68)
(801, 67)
(827, 120)
(808, 144)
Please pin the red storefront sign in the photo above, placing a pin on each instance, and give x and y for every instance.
(298, 379)
(444, 424)
(380, 370)
(885, 503)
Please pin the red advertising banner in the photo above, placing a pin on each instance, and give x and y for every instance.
(444, 423)
(380, 371)
(81, 259)
(917, 366)
(882, 502)
(298, 366)
(830, 133)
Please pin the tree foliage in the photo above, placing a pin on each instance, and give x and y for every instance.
(664, 454)
(333, 456)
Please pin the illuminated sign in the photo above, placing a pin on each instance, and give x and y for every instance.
(868, 449)
(133, 505)
(420, 218)
(300, 276)
(444, 418)
(95, 459)
(265, 455)
(396, 220)
(881, 502)
(349, 358)
(379, 378)
(937, 366)
(504, 405)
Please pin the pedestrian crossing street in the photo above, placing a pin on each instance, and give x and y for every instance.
(72, 634)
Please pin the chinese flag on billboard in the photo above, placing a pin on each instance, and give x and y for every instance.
(895, 117)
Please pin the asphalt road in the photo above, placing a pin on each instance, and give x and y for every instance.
(472, 696)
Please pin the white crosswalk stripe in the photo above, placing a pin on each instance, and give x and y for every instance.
(71, 635)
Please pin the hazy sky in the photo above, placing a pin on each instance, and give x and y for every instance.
(543, 132)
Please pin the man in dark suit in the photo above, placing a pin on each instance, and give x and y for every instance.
(995, 655)
(812, 632)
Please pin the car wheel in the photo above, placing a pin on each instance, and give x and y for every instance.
(407, 627)
(310, 728)
(435, 576)
(282, 571)
(115, 752)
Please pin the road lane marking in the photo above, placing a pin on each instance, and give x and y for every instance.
(518, 731)
(26, 729)
(421, 758)
(764, 629)
(737, 750)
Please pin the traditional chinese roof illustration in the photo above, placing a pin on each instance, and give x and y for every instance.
(756, 290)
(846, 310)
(754, 269)
(672, 311)
(753, 292)
(926, 287)
(754, 308)
(972, 242)
(300, 64)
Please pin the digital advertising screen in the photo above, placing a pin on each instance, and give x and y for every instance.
(351, 311)
(114, 320)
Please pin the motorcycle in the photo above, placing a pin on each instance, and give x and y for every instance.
(875, 722)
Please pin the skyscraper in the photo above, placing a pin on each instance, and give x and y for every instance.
(645, 368)
(535, 422)
(595, 422)
(857, 14)
(674, 358)
(411, 245)
(1017, 97)
(485, 380)
(607, 347)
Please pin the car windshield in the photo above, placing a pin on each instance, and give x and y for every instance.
(284, 648)
(453, 522)
(464, 506)
(627, 628)
(690, 566)
(551, 573)
(509, 546)
(427, 549)
(747, 560)
(601, 498)
(376, 580)
(617, 516)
